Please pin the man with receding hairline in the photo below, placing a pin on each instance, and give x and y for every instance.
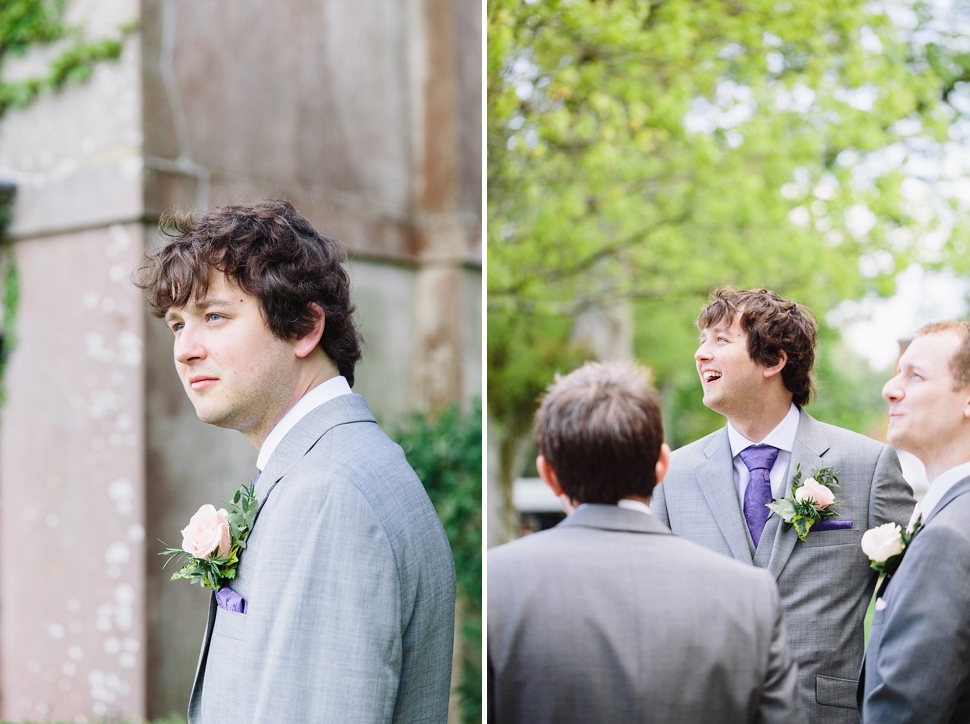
(609, 618)
(917, 664)
(755, 366)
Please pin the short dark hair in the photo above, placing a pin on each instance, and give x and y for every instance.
(600, 429)
(960, 361)
(773, 325)
(269, 251)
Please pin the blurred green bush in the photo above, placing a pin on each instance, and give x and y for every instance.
(445, 450)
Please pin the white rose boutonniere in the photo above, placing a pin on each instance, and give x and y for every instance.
(809, 502)
(885, 545)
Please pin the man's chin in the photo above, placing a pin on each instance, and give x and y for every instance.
(210, 416)
(897, 440)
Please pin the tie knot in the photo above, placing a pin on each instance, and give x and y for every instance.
(759, 457)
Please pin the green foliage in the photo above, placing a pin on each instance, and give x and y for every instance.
(445, 451)
(29, 23)
(11, 285)
(212, 572)
(594, 172)
(524, 354)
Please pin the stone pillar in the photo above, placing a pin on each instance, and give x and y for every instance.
(72, 532)
(72, 466)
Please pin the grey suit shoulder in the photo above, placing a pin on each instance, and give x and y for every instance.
(609, 618)
(350, 585)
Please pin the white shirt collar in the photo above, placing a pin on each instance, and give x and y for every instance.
(324, 392)
(634, 505)
(940, 486)
(782, 437)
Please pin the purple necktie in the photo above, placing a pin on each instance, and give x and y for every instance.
(758, 459)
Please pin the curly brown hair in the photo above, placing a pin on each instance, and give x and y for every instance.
(773, 325)
(269, 251)
(600, 429)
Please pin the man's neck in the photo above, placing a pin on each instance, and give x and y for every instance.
(756, 424)
(313, 372)
(950, 459)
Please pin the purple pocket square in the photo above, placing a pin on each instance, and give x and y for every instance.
(229, 600)
(832, 524)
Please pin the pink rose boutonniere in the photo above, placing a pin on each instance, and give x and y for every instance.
(213, 541)
(809, 502)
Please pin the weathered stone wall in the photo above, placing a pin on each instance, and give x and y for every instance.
(367, 115)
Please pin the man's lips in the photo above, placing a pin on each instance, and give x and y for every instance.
(199, 382)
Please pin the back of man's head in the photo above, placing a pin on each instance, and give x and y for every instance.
(271, 252)
(773, 325)
(600, 429)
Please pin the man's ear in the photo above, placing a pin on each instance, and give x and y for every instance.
(778, 366)
(548, 475)
(308, 342)
(663, 463)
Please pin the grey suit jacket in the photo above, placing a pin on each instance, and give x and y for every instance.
(917, 666)
(350, 587)
(825, 582)
(609, 618)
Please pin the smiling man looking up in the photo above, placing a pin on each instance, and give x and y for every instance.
(754, 362)
(343, 604)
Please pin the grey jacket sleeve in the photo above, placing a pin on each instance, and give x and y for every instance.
(334, 649)
(890, 497)
(658, 505)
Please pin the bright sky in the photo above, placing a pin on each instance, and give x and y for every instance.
(873, 327)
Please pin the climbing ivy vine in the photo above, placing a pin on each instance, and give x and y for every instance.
(26, 24)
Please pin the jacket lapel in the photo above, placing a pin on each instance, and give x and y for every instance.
(715, 478)
(958, 489)
(305, 434)
(810, 446)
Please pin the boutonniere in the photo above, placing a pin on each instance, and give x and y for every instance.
(885, 545)
(809, 502)
(213, 541)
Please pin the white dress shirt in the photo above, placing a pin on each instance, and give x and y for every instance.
(940, 486)
(630, 504)
(783, 438)
(324, 392)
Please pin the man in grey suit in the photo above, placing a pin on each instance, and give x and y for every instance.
(755, 359)
(917, 664)
(342, 608)
(609, 618)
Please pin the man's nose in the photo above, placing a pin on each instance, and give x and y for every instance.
(892, 391)
(188, 346)
(702, 353)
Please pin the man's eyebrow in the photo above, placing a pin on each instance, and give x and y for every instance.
(197, 307)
